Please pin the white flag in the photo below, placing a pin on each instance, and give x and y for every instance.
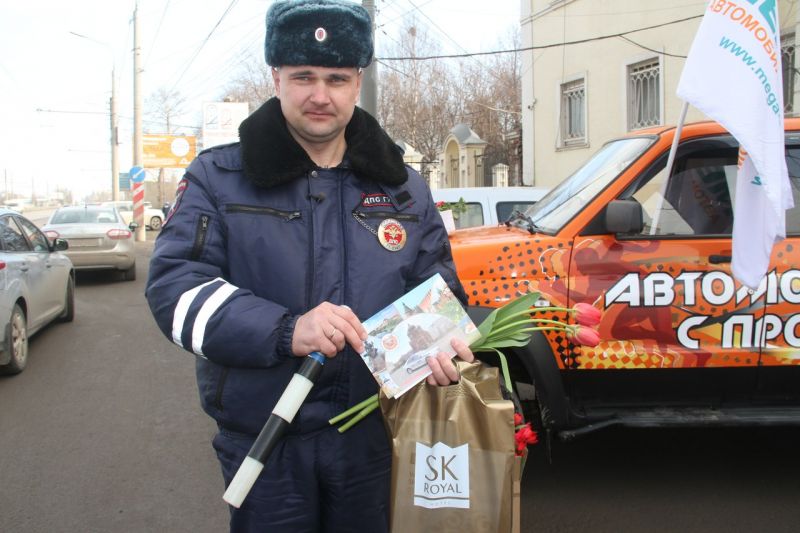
(733, 75)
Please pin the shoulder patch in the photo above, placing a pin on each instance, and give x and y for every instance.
(182, 186)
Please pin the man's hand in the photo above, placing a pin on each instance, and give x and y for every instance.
(443, 370)
(326, 329)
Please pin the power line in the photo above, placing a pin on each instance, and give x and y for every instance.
(155, 37)
(189, 64)
(651, 49)
(542, 47)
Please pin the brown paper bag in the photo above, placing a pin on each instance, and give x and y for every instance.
(453, 462)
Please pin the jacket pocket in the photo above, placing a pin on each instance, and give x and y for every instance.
(200, 234)
(287, 215)
(223, 376)
(405, 217)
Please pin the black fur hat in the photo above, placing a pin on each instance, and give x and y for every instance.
(321, 33)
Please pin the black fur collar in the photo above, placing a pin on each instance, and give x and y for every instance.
(271, 156)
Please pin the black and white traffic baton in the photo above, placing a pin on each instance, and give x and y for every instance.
(282, 415)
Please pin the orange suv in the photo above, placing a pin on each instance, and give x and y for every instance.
(682, 342)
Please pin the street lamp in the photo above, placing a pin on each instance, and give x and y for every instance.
(114, 122)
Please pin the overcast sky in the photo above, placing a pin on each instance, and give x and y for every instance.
(44, 67)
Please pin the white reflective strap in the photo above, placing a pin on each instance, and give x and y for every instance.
(209, 308)
(181, 310)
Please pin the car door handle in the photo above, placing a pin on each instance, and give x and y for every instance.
(24, 268)
(716, 258)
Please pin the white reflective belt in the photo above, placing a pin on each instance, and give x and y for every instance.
(185, 301)
(209, 308)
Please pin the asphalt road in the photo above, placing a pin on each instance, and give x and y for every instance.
(103, 433)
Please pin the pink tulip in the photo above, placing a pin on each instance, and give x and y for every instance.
(584, 336)
(586, 315)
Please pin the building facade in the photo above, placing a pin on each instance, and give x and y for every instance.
(595, 70)
(461, 159)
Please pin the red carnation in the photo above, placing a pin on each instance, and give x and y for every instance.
(523, 437)
(586, 315)
(518, 419)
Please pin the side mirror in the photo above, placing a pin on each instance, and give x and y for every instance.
(133, 225)
(624, 216)
(59, 244)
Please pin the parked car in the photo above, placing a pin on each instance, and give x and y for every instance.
(681, 341)
(18, 205)
(488, 206)
(97, 236)
(38, 286)
(153, 218)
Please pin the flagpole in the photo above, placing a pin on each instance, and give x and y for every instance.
(670, 161)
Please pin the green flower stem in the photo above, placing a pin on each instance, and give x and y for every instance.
(504, 369)
(341, 416)
(364, 412)
(531, 310)
(484, 345)
(495, 331)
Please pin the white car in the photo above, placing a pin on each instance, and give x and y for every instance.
(97, 237)
(153, 218)
(488, 206)
(37, 286)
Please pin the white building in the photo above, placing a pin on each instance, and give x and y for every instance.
(599, 69)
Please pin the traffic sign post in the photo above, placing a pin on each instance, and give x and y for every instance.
(137, 175)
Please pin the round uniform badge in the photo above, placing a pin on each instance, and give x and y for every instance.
(392, 235)
(320, 35)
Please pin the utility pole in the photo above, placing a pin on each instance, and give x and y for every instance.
(114, 138)
(138, 156)
(369, 85)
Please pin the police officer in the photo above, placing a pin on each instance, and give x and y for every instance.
(275, 247)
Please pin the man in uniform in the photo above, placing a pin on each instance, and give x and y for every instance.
(275, 247)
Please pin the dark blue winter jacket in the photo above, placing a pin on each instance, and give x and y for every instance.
(259, 235)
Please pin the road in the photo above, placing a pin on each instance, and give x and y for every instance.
(103, 433)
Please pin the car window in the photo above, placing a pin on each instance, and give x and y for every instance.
(504, 209)
(36, 237)
(793, 166)
(12, 236)
(473, 216)
(90, 215)
(698, 198)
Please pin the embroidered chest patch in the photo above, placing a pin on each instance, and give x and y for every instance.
(375, 200)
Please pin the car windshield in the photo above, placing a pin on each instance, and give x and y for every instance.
(562, 203)
(85, 215)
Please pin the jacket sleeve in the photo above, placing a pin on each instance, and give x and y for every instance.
(193, 303)
(434, 254)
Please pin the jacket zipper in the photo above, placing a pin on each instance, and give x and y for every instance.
(387, 214)
(223, 376)
(344, 217)
(200, 237)
(258, 210)
(311, 244)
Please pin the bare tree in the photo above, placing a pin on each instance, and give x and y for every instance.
(491, 92)
(164, 109)
(253, 84)
(415, 103)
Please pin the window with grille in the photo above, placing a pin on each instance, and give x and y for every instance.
(573, 112)
(644, 94)
(787, 59)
